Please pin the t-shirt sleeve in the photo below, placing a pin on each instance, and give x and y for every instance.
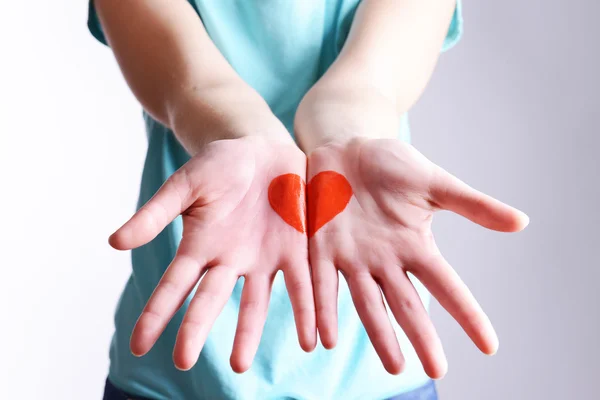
(452, 37)
(455, 29)
(93, 24)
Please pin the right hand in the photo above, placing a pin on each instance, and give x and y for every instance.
(229, 230)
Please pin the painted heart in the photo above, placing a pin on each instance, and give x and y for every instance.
(287, 197)
(328, 193)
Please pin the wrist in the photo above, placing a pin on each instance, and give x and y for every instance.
(227, 111)
(332, 114)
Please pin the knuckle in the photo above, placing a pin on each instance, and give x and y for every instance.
(154, 213)
(249, 306)
(245, 331)
(191, 324)
(325, 309)
(149, 318)
(297, 284)
(206, 297)
(169, 286)
(305, 312)
(181, 183)
(407, 305)
(350, 268)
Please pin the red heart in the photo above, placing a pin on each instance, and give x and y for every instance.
(288, 199)
(328, 194)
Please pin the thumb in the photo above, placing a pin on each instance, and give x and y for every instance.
(170, 200)
(450, 193)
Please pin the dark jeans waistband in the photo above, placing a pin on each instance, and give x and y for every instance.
(426, 392)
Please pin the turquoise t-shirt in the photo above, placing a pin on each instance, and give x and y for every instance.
(280, 48)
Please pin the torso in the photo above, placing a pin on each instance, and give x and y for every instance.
(280, 48)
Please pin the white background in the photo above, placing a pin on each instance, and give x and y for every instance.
(512, 110)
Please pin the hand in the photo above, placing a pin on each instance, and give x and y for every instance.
(230, 229)
(370, 207)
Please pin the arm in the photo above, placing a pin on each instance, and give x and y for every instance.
(179, 76)
(377, 226)
(385, 64)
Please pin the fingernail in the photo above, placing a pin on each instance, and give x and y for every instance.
(525, 219)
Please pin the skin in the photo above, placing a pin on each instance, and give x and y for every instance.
(183, 81)
(385, 232)
(348, 123)
(345, 124)
(215, 203)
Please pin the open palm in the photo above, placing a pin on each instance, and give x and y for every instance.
(229, 230)
(380, 231)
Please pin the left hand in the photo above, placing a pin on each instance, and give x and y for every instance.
(384, 231)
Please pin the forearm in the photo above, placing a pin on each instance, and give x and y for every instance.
(385, 64)
(178, 74)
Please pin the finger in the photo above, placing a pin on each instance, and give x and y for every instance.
(175, 285)
(452, 293)
(208, 302)
(408, 309)
(253, 313)
(169, 201)
(299, 287)
(371, 310)
(452, 194)
(325, 282)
